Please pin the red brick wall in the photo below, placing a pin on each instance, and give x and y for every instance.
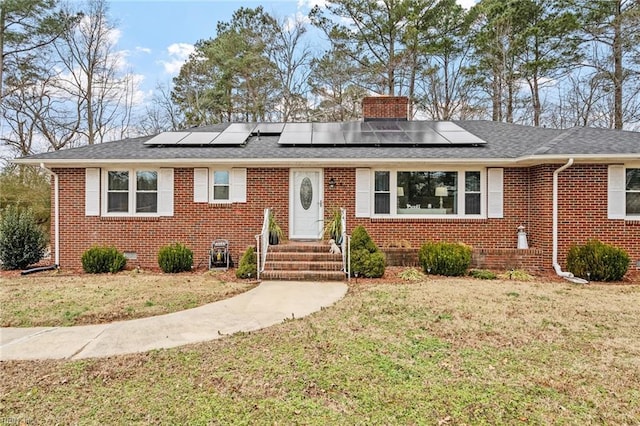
(193, 224)
(378, 107)
(583, 215)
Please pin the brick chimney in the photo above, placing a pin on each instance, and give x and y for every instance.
(377, 108)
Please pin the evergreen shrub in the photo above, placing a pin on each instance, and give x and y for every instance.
(247, 267)
(175, 258)
(100, 260)
(366, 259)
(450, 259)
(22, 241)
(597, 261)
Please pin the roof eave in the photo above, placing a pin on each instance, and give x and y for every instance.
(523, 161)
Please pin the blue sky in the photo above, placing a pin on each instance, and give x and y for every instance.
(158, 35)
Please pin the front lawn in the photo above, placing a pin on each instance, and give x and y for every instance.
(439, 351)
(56, 299)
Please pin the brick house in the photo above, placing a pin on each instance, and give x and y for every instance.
(406, 181)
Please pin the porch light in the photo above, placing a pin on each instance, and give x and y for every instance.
(441, 191)
(332, 183)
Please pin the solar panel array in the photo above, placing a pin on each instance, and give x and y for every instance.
(368, 133)
(378, 133)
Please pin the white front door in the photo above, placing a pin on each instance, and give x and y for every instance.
(305, 204)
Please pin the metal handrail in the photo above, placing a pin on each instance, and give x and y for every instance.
(262, 242)
(346, 244)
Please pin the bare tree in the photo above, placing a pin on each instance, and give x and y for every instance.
(292, 59)
(93, 81)
(161, 114)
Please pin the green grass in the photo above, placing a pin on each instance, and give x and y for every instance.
(450, 351)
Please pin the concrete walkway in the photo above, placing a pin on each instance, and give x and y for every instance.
(270, 303)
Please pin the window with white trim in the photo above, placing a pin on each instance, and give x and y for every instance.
(221, 186)
(147, 191)
(382, 193)
(632, 191)
(118, 191)
(131, 196)
(458, 193)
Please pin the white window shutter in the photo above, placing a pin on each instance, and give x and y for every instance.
(239, 185)
(200, 185)
(165, 192)
(92, 192)
(616, 205)
(495, 193)
(363, 193)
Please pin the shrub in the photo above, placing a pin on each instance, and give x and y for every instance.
(247, 267)
(450, 259)
(100, 260)
(598, 261)
(360, 239)
(175, 258)
(369, 265)
(483, 274)
(411, 274)
(22, 241)
(366, 258)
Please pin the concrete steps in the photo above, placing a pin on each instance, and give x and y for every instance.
(296, 261)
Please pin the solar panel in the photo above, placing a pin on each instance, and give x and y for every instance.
(462, 138)
(328, 138)
(167, 138)
(354, 126)
(235, 134)
(447, 126)
(240, 128)
(365, 138)
(386, 126)
(427, 137)
(327, 127)
(199, 138)
(387, 137)
(296, 133)
(269, 128)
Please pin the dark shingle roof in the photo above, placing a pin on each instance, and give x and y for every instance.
(504, 142)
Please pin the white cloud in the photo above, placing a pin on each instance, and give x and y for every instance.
(467, 4)
(143, 49)
(308, 4)
(178, 53)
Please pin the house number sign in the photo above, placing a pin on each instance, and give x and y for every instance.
(306, 193)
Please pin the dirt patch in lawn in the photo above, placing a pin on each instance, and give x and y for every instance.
(56, 298)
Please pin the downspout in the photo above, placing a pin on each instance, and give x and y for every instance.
(567, 275)
(56, 214)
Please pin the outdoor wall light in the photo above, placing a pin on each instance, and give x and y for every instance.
(332, 183)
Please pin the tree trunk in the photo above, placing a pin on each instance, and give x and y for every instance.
(617, 66)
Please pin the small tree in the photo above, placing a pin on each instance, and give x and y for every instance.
(366, 259)
(248, 267)
(22, 242)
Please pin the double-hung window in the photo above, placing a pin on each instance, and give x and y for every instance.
(632, 191)
(118, 191)
(146, 191)
(221, 187)
(132, 192)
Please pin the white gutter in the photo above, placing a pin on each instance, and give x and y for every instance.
(566, 275)
(56, 214)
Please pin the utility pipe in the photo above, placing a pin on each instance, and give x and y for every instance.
(56, 214)
(556, 266)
